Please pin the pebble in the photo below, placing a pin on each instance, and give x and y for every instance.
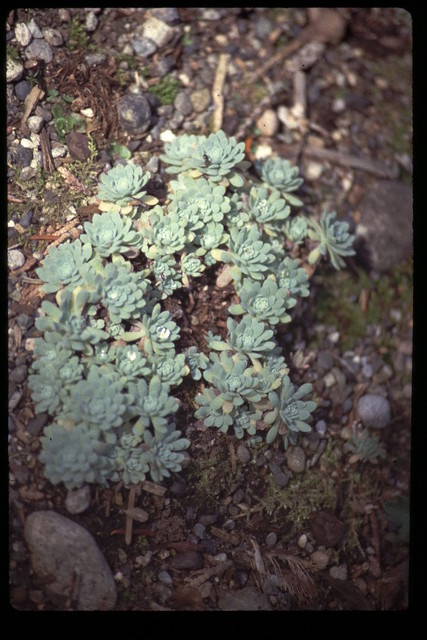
(295, 457)
(321, 427)
(39, 50)
(91, 22)
(134, 113)
(53, 36)
(271, 539)
(243, 454)
(61, 548)
(78, 500)
(19, 373)
(325, 360)
(302, 541)
(313, 170)
(23, 34)
(35, 29)
(187, 560)
(246, 599)
(158, 31)
(339, 572)
(78, 145)
(22, 89)
(15, 259)
(281, 478)
(374, 411)
(165, 578)
(35, 123)
(36, 424)
(14, 70)
(320, 558)
(95, 59)
(143, 47)
(199, 530)
(200, 99)
(268, 123)
(183, 104)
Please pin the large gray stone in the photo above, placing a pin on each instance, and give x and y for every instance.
(384, 234)
(65, 555)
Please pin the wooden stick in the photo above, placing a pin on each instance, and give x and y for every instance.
(354, 162)
(129, 519)
(218, 91)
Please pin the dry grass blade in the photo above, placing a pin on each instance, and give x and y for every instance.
(294, 574)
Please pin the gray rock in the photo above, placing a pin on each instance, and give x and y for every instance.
(187, 560)
(22, 89)
(95, 58)
(374, 411)
(158, 31)
(281, 478)
(35, 29)
(35, 123)
(21, 155)
(384, 235)
(36, 424)
(143, 47)
(134, 114)
(23, 34)
(325, 360)
(91, 21)
(78, 145)
(167, 14)
(183, 104)
(246, 599)
(295, 457)
(78, 500)
(243, 454)
(200, 99)
(39, 49)
(15, 259)
(14, 70)
(53, 36)
(19, 373)
(66, 553)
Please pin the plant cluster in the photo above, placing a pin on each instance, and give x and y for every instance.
(108, 366)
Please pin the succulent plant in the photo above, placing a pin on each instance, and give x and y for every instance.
(165, 234)
(196, 361)
(199, 201)
(235, 381)
(129, 362)
(164, 452)
(250, 337)
(292, 277)
(268, 210)
(365, 448)
(248, 254)
(132, 462)
(123, 292)
(266, 302)
(191, 266)
(110, 233)
(210, 410)
(158, 331)
(167, 276)
(245, 421)
(75, 456)
(88, 402)
(123, 183)
(68, 321)
(213, 236)
(296, 229)
(46, 389)
(178, 152)
(171, 368)
(152, 404)
(65, 265)
(333, 237)
(281, 175)
(216, 156)
(290, 413)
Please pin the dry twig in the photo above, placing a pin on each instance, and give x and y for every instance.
(218, 91)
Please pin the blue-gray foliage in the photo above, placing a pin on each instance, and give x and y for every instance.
(109, 362)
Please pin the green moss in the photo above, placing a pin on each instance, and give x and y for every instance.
(166, 90)
(337, 301)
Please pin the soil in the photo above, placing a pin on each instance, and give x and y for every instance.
(321, 540)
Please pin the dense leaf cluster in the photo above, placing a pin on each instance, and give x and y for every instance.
(107, 366)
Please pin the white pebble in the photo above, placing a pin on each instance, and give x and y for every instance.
(313, 170)
(35, 123)
(302, 541)
(15, 259)
(22, 34)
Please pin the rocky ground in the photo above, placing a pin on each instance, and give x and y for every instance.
(325, 525)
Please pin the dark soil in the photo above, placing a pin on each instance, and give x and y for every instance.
(228, 503)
